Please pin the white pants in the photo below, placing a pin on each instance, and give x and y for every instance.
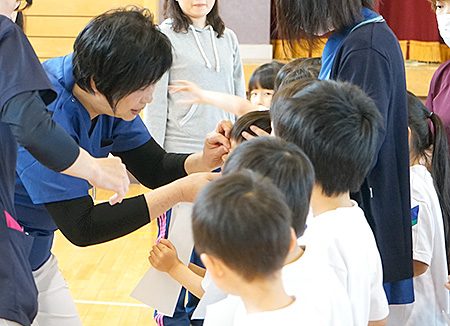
(4, 322)
(56, 306)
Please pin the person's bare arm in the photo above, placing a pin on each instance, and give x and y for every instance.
(227, 102)
(164, 258)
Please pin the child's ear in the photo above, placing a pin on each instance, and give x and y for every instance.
(213, 265)
(293, 243)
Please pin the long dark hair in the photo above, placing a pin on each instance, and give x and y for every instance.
(181, 21)
(427, 136)
(299, 20)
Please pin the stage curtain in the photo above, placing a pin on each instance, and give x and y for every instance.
(413, 22)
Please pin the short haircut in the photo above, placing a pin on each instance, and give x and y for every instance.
(300, 20)
(293, 87)
(285, 164)
(243, 220)
(261, 119)
(264, 76)
(181, 22)
(337, 125)
(122, 51)
(298, 69)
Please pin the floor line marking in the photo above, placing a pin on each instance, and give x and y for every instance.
(112, 303)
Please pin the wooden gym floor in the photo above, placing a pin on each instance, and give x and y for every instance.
(102, 277)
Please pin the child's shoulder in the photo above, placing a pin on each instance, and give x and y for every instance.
(223, 312)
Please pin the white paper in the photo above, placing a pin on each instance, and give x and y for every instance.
(157, 289)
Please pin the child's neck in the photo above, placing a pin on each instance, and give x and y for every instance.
(322, 203)
(265, 294)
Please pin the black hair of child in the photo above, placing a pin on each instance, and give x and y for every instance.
(337, 125)
(243, 220)
(429, 144)
(285, 164)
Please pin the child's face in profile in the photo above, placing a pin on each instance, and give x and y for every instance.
(261, 96)
(442, 7)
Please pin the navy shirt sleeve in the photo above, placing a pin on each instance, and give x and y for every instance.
(20, 68)
(373, 76)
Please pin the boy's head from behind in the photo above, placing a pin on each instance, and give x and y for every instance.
(285, 165)
(242, 229)
(298, 69)
(261, 119)
(337, 125)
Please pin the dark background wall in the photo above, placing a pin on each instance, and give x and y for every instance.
(249, 19)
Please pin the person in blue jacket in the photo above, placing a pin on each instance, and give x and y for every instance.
(24, 92)
(363, 50)
(101, 89)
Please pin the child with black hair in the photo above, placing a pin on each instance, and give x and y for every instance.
(302, 273)
(297, 69)
(163, 255)
(261, 89)
(430, 213)
(250, 269)
(337, 126)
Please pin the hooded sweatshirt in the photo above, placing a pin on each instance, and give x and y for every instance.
(212, 63)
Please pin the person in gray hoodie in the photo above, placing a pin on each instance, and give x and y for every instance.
(204, 52)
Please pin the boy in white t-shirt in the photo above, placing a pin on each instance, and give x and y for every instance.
(337, 126)
(242, 230)
(430, 200)
(302, 273)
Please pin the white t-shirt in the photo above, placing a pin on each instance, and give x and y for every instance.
(231, 312)
(318, 290)
(431, 303)
(344, 238)
(314, 284)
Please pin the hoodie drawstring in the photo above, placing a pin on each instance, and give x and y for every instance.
(202, 51)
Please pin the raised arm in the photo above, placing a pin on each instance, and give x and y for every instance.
(234, 104)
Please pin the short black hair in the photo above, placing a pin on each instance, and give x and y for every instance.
(264, 76)
(261, 119)
(298, 69)
(300, 20)
(285, 164)
(243, 220)
(181, 22)
(337, 125)
(122, 51)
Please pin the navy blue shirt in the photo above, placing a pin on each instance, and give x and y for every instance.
(21, 72)
(370, 57)
(37, 185)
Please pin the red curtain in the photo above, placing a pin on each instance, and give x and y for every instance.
(410, 19)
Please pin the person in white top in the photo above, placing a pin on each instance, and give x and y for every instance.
(337, 126)
(430, 212)
(204, 52)
(242, 230)
(302, 274)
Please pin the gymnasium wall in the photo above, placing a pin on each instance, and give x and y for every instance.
(52, 25)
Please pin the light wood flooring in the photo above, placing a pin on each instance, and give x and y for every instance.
(102, 277)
